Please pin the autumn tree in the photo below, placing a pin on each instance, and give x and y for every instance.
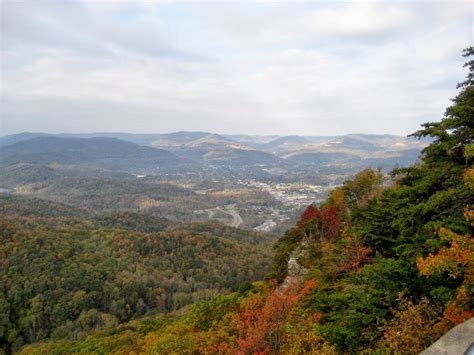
(260, 320)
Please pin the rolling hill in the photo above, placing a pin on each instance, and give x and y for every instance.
(105, 153)
(180, 155)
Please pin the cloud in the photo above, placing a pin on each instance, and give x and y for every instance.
(360, 19)
(259, 68)
(72, 26)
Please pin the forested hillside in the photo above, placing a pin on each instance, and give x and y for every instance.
(378, 267)
(65, 272)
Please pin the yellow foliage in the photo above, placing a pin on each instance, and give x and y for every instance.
(411, 330)
(469, 215)
(176, 338)
(147, 203)
(303, 338)
(336, 197)
(232, 193)
(468, 177)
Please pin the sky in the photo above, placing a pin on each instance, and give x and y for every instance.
(241, 67)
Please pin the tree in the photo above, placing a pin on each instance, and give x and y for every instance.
(262, 317)
(320, 225)
(456, 130)
(309, 213)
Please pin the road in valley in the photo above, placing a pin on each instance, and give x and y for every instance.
(228, 210)
(236, 219)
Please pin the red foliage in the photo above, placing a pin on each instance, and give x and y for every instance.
(309, 213)
(460, 309)
(356, 256)
(325, 224)
(456, 314)
(261, 319)
(331, 218)
(318, 316)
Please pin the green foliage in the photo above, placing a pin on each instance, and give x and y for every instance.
(469, 151)
(442, 295)
(67, 281)
(123, 339)
(355, 308)
(283, 248)
(133, 221)
(456, 129)
(207, 313)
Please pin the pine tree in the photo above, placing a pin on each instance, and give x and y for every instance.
(454, 134)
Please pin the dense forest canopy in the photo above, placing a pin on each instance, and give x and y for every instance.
(65, 273)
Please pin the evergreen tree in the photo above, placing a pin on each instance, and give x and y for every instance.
(454, 133)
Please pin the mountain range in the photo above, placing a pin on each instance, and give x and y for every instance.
(197, 150)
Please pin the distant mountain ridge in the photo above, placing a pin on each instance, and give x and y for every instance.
(91, 152)
(186, 137)
(139, 152)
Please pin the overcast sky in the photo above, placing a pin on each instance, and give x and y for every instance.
(250, 67)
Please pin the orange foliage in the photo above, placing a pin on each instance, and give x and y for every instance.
(261, 318)
(318, 316)
(355, 255)
(457, 259)
(458, 311)
(411, 330)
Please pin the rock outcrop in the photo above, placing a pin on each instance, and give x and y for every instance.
(295, 270)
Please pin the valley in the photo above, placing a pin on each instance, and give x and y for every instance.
(172, 223)
(194, 176)
(174, 220)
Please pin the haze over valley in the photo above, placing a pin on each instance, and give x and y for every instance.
(252, 182)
